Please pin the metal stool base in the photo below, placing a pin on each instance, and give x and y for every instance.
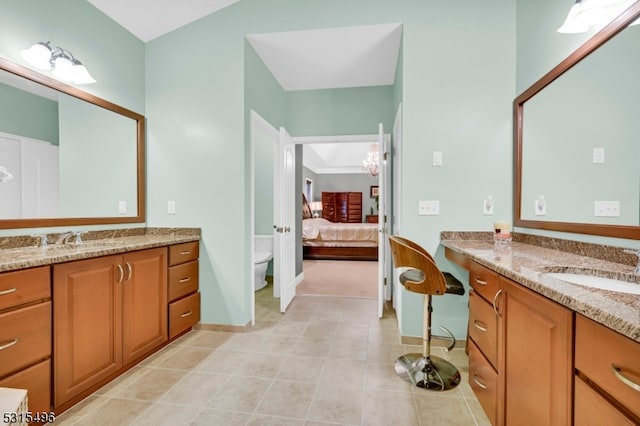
(433, 373)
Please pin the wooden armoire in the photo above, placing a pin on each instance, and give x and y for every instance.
(345, 207)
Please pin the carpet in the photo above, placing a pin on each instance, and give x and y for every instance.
(349, 278)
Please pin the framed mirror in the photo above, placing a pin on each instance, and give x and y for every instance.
(576, 152)
(66, 157)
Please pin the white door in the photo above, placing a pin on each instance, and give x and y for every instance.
(383, 189)
(284, 238)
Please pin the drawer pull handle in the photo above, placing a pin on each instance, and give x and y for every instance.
(617, 371)
(8, 291)
(186, 314)
(185, 280)
(120, 273)
(8, 345)
(495, 302)
(479, 281)
(478, 382)
(480, 326)
(184, 253)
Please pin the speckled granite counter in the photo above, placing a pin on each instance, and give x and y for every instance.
(23, 252)
(527, 265)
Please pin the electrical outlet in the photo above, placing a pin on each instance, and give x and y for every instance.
(122, 207)
(171, 207)
(428, 208)
(598, 155)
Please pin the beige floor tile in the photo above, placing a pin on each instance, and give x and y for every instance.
(289, 328)
(115, 412)
(321, 329)
(352, 331)
(224, 361)
(84, 407)
(196, 389)
(263, 365)
(345, 348)
(347, 373)
(478, 412)
(434, 409)
(278, 344)
(384, 408)
(209, 417)
(186, 358)
(383, 352)
(118, 384)
(298, 315)
(287, 399)
(240, 394)
(152, 385)
(159, 356)
(382, 376)
(262, 420)
(301, 368)
(336, 404)
(384, 335)
(160, 414)
(207, 339)
(312, 346)
(243, 341)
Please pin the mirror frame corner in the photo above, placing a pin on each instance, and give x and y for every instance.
(592, 44)
(140, 217)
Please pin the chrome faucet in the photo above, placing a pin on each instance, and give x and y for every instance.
(65, 238)
(636, 271)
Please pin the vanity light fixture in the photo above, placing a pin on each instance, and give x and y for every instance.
(63, 64)
(585, 15)
(372, 163)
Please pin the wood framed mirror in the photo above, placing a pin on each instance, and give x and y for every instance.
(73, 158)
(562, 181)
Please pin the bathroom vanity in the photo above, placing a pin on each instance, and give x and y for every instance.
(544, 349)
(75, 316)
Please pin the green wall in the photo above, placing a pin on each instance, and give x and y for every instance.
(457, 86)
(25, 114)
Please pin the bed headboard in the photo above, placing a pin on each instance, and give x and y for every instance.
(343, 207)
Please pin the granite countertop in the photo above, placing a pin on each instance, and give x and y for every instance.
(23, 252)
(528, 264)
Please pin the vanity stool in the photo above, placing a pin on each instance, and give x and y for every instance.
(423, 276)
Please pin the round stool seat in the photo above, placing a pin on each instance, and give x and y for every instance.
(454, 286)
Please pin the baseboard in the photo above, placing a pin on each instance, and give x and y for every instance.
(299, 278)
(435, 342)
(223, 327)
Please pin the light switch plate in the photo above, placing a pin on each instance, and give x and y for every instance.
(428, 208)
(540, 206)
(171, 207)
(606, 208)
(122, 207)
(487, 206)
(598, 155)
(436, 158)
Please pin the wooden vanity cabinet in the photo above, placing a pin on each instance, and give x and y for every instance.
(536, 361)
(608, 373)
(520, 351)
(108, 312)
(183, 294)
(25, 334)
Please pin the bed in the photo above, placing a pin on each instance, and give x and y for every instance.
(340, 233)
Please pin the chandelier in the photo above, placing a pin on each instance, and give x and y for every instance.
(372, 163)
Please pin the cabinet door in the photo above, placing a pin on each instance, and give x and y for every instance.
(537, 335)
(87, 324)
(144, 302)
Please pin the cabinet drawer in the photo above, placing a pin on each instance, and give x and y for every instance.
(483, 281)
(28, 285)
(592, 409)
(37, 381)
(484, 382)
(483, 327)
(183, 314)
(183, 280)
(181, 253)
(25, 337)
(598, 350)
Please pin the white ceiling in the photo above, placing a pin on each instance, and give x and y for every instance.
(357, 56)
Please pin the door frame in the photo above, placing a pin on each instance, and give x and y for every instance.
(256, 122)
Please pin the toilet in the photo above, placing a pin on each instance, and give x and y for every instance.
(262, 254)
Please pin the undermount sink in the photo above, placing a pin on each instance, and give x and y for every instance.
(597, 282)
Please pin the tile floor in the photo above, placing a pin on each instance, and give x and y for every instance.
(327, 361)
